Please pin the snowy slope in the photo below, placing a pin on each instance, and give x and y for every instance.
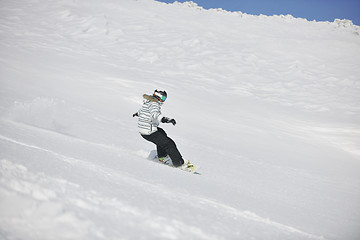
(268, 106)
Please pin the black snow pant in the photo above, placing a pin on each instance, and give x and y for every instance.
(165, 146)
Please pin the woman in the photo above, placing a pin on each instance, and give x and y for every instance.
(149, 119)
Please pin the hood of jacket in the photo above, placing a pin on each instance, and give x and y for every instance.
(150, 98)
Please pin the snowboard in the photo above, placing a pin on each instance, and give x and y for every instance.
(153, 157)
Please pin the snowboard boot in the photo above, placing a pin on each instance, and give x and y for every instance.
(166, 160)
(187, 166)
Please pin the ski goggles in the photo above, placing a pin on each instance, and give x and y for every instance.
(161, 99)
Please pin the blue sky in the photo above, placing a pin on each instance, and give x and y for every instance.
(319, 10)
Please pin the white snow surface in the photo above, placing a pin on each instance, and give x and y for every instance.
(268, 106)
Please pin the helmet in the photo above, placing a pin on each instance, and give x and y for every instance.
(160, 95)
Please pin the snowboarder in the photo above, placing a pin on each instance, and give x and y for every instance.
(149, 119)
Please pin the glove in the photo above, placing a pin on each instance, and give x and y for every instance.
(168, 120)
(172, 121)
(135, 114)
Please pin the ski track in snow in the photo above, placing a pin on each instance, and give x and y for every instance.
(268, 106)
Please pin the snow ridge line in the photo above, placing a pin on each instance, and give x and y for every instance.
(340, 23)
(55, 133)
(254, 217)
(35, 147)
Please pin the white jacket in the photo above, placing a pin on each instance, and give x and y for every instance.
(149, 116)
